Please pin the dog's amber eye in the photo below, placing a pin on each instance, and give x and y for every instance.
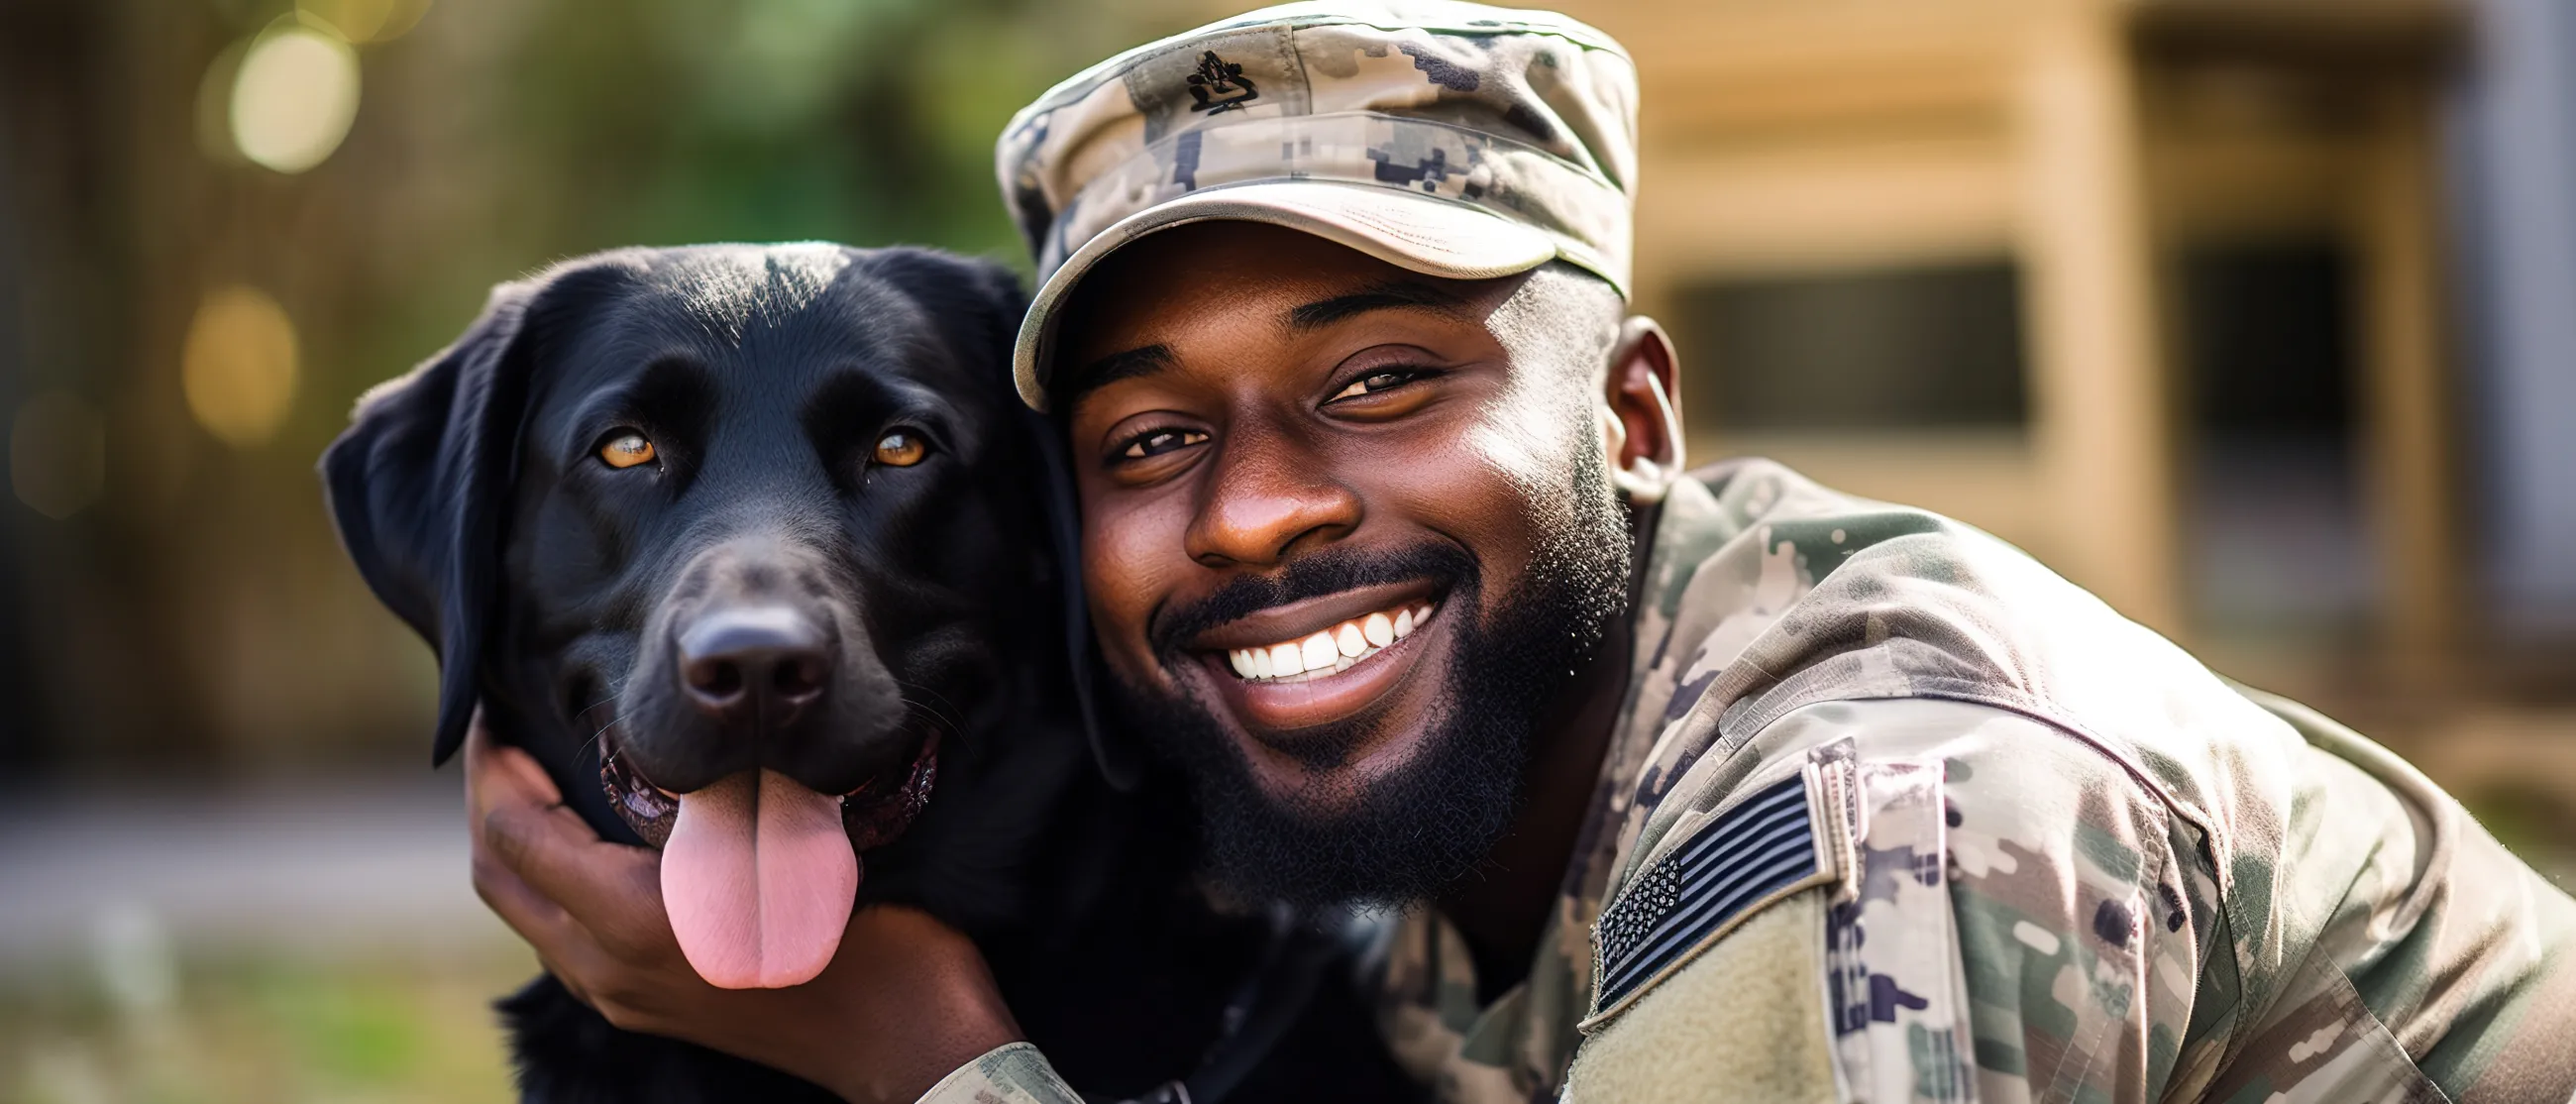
(627, 450)
(901, 449)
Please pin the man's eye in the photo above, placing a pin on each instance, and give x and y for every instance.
(1374, 382)
(1160, 441)
(625, 450)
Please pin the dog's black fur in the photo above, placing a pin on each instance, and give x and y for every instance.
(471, 496)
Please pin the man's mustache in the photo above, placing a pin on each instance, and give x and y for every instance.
(1315, 575)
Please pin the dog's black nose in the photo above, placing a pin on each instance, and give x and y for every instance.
(760, 664)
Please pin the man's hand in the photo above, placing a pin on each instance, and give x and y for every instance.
(905, 1000)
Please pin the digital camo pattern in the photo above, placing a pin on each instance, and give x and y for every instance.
(1526, 114)
(1457, 139)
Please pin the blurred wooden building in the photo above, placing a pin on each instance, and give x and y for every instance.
(2256, 317)
(2151, 288)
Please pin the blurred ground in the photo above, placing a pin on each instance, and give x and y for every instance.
(356, 864)
(315, 941)
(256, 1030)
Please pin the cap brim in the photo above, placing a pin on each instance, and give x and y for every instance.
(1420, 233)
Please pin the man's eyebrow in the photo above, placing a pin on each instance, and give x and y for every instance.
(1392, 295)
(1143, 361)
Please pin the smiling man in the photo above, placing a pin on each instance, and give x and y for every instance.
(1720, 786)
(1714, 786)
(1353, 592)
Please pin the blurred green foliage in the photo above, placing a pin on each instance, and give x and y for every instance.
(265, 1031)
(865, 121)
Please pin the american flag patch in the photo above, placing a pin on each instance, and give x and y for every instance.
(1764, 845)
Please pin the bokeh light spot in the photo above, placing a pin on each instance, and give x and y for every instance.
(294, 98)
(366, 20)
(238, 367)
(57, 454)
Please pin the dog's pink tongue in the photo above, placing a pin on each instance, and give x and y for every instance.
(758, 877)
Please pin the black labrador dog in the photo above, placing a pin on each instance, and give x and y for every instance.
(755, 550)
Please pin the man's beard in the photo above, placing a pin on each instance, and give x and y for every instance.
(1423, 825)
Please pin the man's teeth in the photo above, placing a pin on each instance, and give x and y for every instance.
(1334, 649)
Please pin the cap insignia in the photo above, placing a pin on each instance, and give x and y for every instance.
(1220, 85)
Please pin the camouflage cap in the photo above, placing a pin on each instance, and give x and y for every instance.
(1452, 139)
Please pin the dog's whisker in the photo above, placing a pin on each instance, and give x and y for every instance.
(598, 742)
(944, 720)
(923, 729)
(952, 725)
(924, 705)
(584, 712)
(949, 730)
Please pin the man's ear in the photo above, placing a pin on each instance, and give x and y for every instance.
(417, 484)
(1642, 422)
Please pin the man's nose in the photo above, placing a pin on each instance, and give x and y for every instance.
(754, 665)
(1262, 503)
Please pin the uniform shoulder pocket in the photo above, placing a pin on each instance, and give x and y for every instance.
(1752, 853)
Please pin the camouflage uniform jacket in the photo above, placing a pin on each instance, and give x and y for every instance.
(2011, 847)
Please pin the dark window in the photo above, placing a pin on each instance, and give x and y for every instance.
(2279, 539)
(2266, 327)
(1935, 346)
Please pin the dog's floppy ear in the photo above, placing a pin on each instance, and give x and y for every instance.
(1004, 304)
(418, 482)
(1118, 762)
(415, 487)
